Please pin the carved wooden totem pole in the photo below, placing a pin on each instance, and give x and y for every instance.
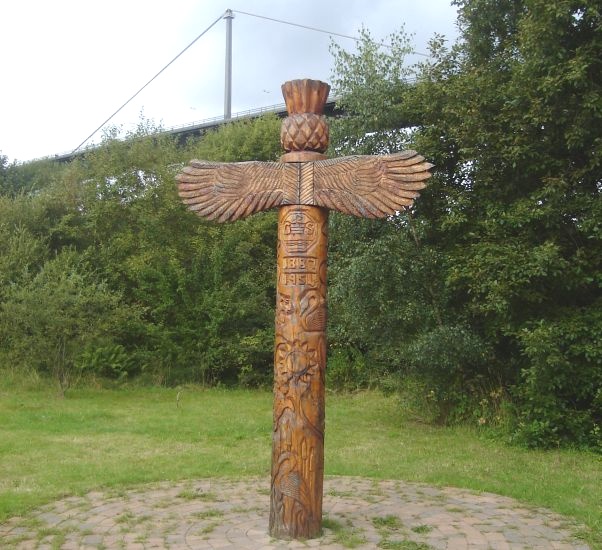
(304, 185)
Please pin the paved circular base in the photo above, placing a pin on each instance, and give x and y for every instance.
(358, 513)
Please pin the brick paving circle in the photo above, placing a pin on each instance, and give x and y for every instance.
(359, 513)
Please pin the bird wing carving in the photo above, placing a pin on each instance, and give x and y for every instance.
(230, 191)
(370, 186)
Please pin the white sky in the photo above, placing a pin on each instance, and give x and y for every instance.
(67, 65)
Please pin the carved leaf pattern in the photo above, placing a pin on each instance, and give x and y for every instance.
(370, 186)
(230, 191)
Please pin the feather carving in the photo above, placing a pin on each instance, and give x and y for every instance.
(230, 191)
(365, 186)
(370, 186)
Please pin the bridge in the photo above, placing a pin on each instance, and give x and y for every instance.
(197, 128)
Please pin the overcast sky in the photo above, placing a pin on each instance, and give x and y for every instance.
(67, 65)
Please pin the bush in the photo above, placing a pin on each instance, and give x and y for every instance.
(46, 322)
(456, 366)
(560, 393)
(107, 359)
(347, 370)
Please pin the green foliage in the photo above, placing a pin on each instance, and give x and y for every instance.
(484, 282)
(257, 139)
(45, 322)
(403, 545)
(205, 288)
(109, 360)
(480, 300)
(347, 370)
(16, 179)
(201, 294)
(346, 534)
(370, 83)
(21, 254)
(384, 286)
(562, 386)
(456, 368)
(374, 309)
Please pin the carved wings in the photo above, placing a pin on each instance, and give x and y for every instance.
(370, 186)
(229, 191)
(366, 186)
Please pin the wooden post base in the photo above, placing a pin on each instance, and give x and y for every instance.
(299, 366)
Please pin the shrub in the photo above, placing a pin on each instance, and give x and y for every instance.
(560, 393)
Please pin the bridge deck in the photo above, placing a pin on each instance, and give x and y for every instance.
(198, 128)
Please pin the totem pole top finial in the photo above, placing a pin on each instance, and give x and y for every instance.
(305, 96)
(304, 132)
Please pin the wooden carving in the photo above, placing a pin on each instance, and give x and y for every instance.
(228, 191)
(304, 185)
(299, 366)
(365, 186)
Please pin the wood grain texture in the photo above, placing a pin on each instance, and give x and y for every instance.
(304, 132)
(299, 366)
(365, 186)
(305, 95)
(230, 191)
(370, 186)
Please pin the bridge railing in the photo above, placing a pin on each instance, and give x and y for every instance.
(241, 114)
(203, 123)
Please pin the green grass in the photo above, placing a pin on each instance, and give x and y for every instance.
(190, 494)
(345, 535)
(115, 439)
(387, 523)
(422, 529)
(208, 514)
(403, 545)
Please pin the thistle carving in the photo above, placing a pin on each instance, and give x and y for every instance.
(304, 132)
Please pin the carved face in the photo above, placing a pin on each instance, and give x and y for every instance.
(285, 308)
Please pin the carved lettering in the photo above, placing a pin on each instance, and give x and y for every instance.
(299, 363)
(300, 264)
(299, 279)
(299, 271)
(298, 232)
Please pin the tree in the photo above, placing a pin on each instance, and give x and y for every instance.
(3, 166)
(47, 322)
(201, 295)
(234, 269)
(206, 290)
(525, 150)
(16, 178)
(387, 290)
(510, 115)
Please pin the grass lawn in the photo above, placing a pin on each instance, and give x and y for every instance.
(51, 447)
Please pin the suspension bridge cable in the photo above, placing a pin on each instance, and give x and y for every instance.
(307, 27)
(383, 44)
(151, 80)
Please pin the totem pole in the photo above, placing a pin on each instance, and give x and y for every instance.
(304, 185)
